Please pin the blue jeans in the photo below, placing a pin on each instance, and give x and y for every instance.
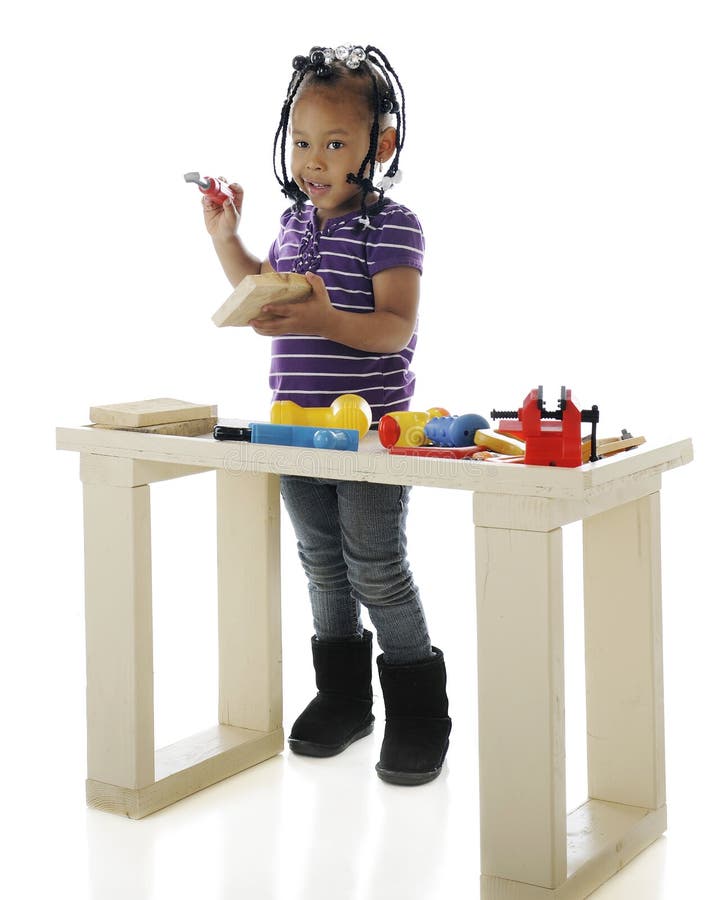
(352, 545)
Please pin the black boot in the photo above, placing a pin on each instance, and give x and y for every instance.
(417, 726)
(341, 711)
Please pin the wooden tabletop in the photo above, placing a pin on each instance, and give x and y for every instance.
(372, 462)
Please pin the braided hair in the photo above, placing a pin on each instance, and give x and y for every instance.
(326, 66)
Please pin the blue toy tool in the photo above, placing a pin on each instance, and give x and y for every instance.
(454, 431)
(305, 436)
(291, 436)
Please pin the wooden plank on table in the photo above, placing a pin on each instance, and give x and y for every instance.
(158, 411)
(189, 428)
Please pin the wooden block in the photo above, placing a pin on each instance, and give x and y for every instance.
(158, 411)
(190, 428)
(254, 291)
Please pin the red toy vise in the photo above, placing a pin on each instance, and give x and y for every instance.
(552, 438)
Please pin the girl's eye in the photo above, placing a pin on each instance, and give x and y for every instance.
(336, 145)
(303, 145)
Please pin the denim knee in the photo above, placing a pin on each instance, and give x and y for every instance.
(323, 574)
(391, 585)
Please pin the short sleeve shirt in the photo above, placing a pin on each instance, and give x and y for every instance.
(312, 370)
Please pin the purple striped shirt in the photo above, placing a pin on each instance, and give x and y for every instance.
(311, 370)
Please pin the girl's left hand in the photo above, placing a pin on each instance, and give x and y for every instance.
(309, 316)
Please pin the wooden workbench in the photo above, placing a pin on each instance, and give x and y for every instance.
(531, 849)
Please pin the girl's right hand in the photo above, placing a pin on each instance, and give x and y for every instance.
(222, 221)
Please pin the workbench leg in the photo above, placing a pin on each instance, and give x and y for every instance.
(623, 633)
(118, 610)
(521, 708)
(126, 773)
(250, 651)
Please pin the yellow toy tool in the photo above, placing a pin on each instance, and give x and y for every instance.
(346, 411)
(498, 443)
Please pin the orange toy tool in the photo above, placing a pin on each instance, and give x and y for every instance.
(346, 411)
(407, 429)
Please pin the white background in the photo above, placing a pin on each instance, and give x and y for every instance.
(563, 159)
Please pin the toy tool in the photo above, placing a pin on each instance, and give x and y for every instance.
(407, 429)
(216, 190)
(346, 411)
(496, 443)
(552, 438)
(305, 436)
(455, 431)
(610, 446)
(232, 433)
(290, 436)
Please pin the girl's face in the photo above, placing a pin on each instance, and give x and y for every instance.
(330, 137)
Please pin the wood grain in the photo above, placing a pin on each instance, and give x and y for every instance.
(254, 291)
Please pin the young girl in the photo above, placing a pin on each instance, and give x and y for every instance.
(362, 255)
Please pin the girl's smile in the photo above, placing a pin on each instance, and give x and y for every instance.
(313, 188)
